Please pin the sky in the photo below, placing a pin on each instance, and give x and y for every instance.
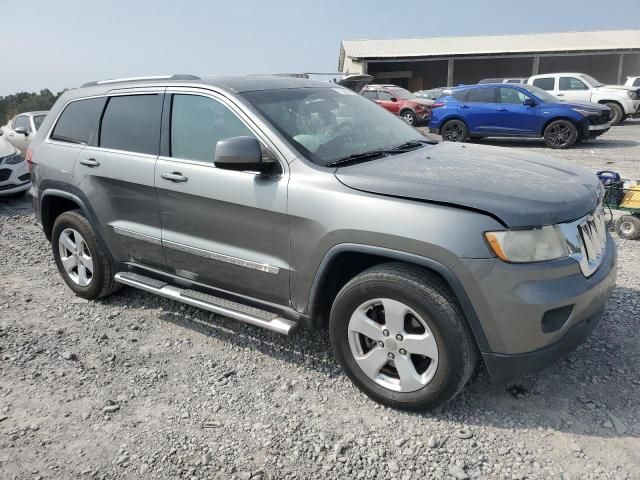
(64, 43)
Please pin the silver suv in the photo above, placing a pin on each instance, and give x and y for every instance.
(285, 202)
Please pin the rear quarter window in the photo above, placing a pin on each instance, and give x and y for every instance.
(78, 121)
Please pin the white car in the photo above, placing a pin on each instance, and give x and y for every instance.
(20, 129)
(632, 82)
(622, 100)
(15, 178)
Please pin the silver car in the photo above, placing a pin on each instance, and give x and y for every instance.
(20, 129)
(14, 172)
(287, 203)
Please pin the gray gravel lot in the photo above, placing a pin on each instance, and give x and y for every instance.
(135, 386)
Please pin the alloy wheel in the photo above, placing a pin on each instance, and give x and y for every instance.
(559, 135)
(453, 132)
(408, 117)
(75, 257)
(393, 345)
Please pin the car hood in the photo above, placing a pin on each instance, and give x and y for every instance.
(6, 148)
(520, 189)
(618, 88)
(596, 107)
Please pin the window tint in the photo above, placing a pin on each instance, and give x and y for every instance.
(78, 121)
(461, 96)
(511, 95)
(132, 123)
(482, 95)
(636, 82)
(384, 95)
(22, 121)
(197, 123)
(547, 83)
(571, 83)
(37, 121)
(370, 94)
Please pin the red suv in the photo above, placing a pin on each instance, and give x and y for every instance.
(400, 102)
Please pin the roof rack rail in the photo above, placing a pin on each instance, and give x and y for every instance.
(177, 76)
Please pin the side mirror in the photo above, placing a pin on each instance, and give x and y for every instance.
(393, 99)
(241, 154)
(529, 102)
(22, 131)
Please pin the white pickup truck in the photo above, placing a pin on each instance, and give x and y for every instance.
(622, 100)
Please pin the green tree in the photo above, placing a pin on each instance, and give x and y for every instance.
(12, 105)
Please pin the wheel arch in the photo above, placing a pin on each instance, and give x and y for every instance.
(53, 202)
(560, 117)
(344, 261)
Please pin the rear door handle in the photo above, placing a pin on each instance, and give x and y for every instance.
(503, 109)
(560, 95)
(464, 106)
(175, 177)
(90, 162)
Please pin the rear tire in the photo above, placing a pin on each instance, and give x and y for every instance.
(82, 262)
(455, 131)
(426, 334)
(617, 114)
(628, 227)
(560, 134)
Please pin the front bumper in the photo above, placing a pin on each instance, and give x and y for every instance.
(14, 178)
(534, 314)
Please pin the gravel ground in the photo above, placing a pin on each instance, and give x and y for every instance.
(135, 386)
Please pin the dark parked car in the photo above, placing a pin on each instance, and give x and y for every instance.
(500, 110)
(401, 102)
(287, 203)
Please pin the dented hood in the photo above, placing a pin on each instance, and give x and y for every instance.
(521, 189)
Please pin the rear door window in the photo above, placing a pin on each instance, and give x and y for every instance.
(79, 121)
(545, 83)
(132, 123)
(37, 121)
(482, 95)
(370, 94)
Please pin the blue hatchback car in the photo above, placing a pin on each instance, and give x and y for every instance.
(506, 110)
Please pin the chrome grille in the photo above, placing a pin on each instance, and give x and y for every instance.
(587, 240)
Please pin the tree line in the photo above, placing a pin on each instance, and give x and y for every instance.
(12, 105)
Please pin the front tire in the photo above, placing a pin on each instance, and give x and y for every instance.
(560, 134)
(399, 335)
(455, 131)
(409, 117)
(617, 114)
(82, 262)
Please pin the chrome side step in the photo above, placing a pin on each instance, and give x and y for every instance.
(244, 313)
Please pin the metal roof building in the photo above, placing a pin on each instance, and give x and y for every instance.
(430, 62)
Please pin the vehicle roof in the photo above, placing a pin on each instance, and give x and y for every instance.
(574, 74)
(234, 84)
(381, 85)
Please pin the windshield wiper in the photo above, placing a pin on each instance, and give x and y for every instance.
(413, 143)
(359, 157)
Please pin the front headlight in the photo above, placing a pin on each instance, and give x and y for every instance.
(632, 95)
(532, 245)
(583, 112)
(12, 159)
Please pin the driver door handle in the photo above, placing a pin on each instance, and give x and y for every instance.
(175, 177)
(503, 109)
(464, 106)
(560, 95)
(90, 162)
